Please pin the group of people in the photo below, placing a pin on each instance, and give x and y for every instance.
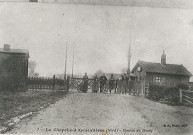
(103, 85)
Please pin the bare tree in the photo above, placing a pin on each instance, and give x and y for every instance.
(31, 67)
(124, 70)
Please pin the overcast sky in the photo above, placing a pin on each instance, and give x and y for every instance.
(100, 35)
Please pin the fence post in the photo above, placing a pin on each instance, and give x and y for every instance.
(180, 91)
(53, 85)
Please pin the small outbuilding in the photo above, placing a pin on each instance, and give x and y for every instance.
(13, 68)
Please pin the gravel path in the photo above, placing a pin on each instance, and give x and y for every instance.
(92, 113)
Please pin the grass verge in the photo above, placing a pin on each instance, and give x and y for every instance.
(18, 103)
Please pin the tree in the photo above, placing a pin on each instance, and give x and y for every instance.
(98, 73)
(31, 67)
(124, 70)
(183, 86)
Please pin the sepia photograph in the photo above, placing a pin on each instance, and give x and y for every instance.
(96, 67)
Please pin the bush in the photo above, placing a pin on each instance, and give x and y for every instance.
(172, 95)
(183, 86)
(158, 92)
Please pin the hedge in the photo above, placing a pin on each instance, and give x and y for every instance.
(171, 94)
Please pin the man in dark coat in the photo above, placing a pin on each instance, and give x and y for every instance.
(103, 81)
(95, 86)
(85, 83)
(111, 83)
(124, 84)
(116, 86)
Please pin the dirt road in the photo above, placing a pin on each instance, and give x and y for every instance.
(95, 113)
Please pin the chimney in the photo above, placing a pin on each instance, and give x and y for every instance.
(163, 58)
(6, 47)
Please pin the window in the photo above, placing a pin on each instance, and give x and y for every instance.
(158, 79)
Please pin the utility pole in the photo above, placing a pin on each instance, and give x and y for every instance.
(129, 57)
(65, 64)
(131, 29)
(73, 63)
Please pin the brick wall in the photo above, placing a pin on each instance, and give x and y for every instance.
(13, 70)
(168, 80)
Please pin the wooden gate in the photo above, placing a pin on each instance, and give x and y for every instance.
(76, 83)
(186, 96)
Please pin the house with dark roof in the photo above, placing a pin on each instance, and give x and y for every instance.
(13, 68)
(160, 73)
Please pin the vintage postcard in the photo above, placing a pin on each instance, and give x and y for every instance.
(96, 67)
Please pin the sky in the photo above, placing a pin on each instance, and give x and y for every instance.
(99, 34)
(139, 3)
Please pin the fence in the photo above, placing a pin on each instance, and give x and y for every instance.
(186, 95)
(45, 83)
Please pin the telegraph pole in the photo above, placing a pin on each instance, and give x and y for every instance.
(129, 58)
(131, 29)
(73, 63)
(65, 64)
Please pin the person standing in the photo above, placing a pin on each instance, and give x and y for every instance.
(95, 86)
(129, 86)
(111, 83)
(85, 83)
(119, 85)
(116, 86)
(103, 81)
(124, 84)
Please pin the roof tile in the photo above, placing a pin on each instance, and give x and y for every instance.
(163, 69)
